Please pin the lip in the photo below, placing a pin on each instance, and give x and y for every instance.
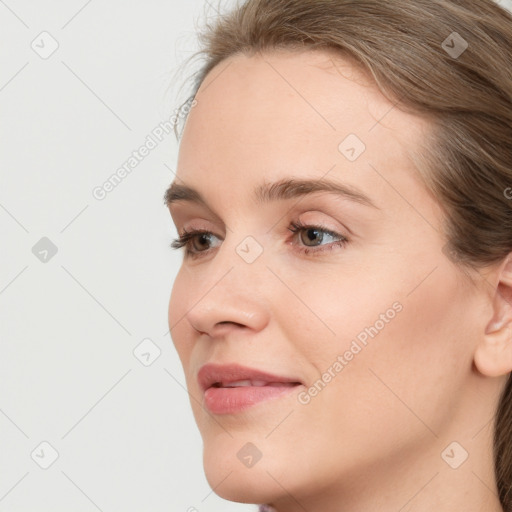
(228, 400)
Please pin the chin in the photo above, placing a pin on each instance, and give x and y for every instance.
(233, 481)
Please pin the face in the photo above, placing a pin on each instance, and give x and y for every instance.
(361, 307)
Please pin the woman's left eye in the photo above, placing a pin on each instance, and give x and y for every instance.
(317, 233)
(312, 234)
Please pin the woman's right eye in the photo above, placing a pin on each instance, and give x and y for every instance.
(187, 238)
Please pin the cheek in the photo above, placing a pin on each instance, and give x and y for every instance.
(337, 306)
(404, 366)
(182, 337)
(405, 319)
(400, 388)
(407, 312)
(177, 321)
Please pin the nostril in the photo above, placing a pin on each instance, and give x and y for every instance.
(224, 322)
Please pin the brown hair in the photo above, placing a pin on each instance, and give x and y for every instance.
(416, 52)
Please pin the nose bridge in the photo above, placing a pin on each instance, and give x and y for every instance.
(234, 287)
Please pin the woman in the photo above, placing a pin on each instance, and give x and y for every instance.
(343, 312)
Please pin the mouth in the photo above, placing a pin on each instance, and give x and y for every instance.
(252, 383)
(228, 389)
(235, 376)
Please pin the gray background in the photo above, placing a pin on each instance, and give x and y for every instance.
(72, 376)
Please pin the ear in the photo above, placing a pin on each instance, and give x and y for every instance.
(493, 356)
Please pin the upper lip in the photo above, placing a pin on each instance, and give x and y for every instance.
(211, 374)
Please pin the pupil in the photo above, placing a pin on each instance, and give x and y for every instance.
(312, 230)
(203, 240)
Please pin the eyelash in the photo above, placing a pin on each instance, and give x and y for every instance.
(184, 239)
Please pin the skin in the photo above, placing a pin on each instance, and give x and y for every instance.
(373, 438)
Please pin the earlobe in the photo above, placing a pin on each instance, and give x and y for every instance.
(493, 355)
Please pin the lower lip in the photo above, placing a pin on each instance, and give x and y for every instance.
(232, 400)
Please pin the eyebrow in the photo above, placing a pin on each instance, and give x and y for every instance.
(282, 189)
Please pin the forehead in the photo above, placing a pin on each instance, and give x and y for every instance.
(316, 87)
(270, 115)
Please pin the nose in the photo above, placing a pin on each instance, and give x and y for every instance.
(230, 300)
